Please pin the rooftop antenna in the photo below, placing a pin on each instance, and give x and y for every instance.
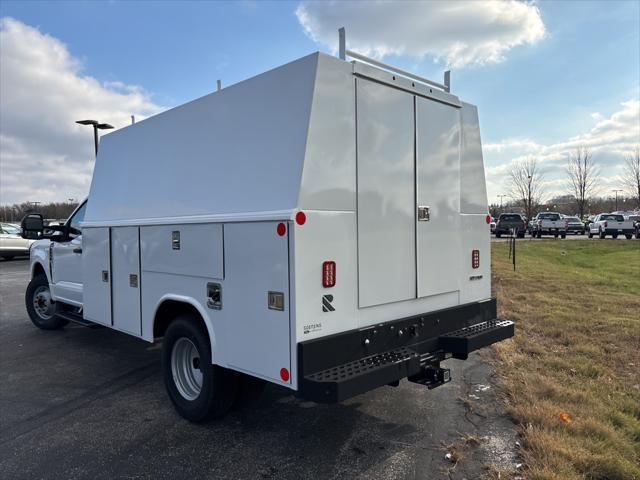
(219, 82)
(133, 119)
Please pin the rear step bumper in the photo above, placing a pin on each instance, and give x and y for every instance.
(337, 367)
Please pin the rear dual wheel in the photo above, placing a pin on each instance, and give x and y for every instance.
(199, 390)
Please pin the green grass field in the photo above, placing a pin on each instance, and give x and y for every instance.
(571, 372)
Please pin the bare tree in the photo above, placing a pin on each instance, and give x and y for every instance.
(631, 175)
(582, 175)
(525, 184)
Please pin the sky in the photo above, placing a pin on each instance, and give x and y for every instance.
(546, 76)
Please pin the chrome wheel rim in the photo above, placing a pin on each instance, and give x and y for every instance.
(42, 302)
(185, 368)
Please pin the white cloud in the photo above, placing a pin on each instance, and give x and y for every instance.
(610, 140)
(44, 155)
(460, 32)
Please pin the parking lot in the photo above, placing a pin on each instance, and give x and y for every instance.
(86, 402)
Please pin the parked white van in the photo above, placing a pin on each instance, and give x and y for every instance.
(322, 226)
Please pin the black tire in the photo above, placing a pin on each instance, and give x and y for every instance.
(43, 315)
(628, 236)
(601, 234)
(218, 385)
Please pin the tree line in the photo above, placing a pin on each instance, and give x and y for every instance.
(50, 211)
(526, 185)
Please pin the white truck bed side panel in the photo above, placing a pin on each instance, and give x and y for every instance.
(257, 338)
(326, 236)
(96, 261)
(475, 283)
(125, 264)
(473, 188)
(238, 150)
(329, 174)
(386, 194)
(194, 250)
(438, 173)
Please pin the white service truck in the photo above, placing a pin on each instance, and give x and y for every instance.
(322, 226)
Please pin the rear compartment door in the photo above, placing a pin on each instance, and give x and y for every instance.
(386, 194)
(257, 333)
(438, 196)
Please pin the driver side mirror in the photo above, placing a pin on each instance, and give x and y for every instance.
(32, 226)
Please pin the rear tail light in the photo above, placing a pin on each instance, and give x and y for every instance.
(328, 274)
(475, 259)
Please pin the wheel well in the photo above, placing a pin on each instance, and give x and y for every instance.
(38, 269)
(169, 310)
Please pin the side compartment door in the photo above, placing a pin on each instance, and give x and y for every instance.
(125, 269)
(438, 197)
(96, 273)
(257, 334)
(386, 194)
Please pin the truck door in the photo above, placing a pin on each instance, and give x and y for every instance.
(125, 279)
(438, 197)
(66, 263)
(408, 191)
(386, 194)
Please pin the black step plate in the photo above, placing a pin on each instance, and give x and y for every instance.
(460, 343)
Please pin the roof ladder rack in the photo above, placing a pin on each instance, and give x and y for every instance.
(343, 53)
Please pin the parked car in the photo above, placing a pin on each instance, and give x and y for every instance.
(575, 226)
(11, 242)
(611, 224)
(548, 223)
(636, 224)
(511, 221)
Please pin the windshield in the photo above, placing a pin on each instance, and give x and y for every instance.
(549, 216)
(617, 218)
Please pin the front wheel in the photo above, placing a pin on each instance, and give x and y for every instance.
(40, 306)
(199, 390)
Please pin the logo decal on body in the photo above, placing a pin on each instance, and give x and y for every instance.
(326, 303)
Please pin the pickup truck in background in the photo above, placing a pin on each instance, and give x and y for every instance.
(611, 224)
(548, 223)
(510, 221)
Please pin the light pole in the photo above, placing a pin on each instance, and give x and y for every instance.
(96, 126)
(501, 196)
(616, 192)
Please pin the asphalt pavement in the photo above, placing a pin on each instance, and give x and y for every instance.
(89, 403)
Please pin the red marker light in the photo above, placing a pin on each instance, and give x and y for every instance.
(329, 274)
(284, 374)
(301, 218)
(488, 219)
(475, 259)
(281, 229)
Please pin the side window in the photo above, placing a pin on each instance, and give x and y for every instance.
(78, 217)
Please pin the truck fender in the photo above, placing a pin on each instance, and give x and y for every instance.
(199, 308)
